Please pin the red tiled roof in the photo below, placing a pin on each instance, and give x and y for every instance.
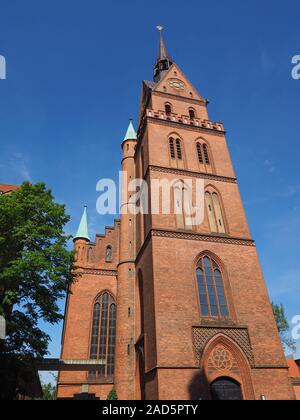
(6, 188)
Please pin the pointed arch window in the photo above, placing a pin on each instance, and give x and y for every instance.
(104, 334)
(214, 211)
(203, 153)
(175, 149)
(211, 291)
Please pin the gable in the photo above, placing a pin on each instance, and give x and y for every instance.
(175, 82)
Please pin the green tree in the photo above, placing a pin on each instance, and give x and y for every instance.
(49, 392)
(112, 396)
(36, 268)
(283, 327)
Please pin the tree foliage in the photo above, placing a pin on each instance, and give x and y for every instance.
(112, 396)
(49, 392)
(283, 327)
(35, 267)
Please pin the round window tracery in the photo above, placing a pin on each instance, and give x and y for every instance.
(221, 359)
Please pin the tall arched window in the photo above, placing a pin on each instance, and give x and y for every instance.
(206, 155)
(141, 296)
(199, 153)
(178, 149)
(210, 288)
(214, 211)
(183, 206)
(179, 206)
(203, 153)
(104, 334)
(172, 149)
(175, 149)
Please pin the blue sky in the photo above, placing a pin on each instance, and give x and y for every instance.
(74, 72)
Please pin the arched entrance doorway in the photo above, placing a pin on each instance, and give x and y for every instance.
(226, 370)
(226, 389)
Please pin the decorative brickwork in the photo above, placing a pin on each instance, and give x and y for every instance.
(223, 361)
(100, 272)
(202, 335)
(203, 238)
(201, 175)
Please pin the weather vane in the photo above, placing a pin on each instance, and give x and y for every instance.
(159, 28)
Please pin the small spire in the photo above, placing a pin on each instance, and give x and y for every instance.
(164, 61)
(131, 133)
(83, 232)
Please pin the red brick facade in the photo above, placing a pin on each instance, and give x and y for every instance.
(165, 347)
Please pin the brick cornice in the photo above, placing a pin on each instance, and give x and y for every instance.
(195, 236)
(99, 272)
(185, 172)
(220, 323)
(201, 237)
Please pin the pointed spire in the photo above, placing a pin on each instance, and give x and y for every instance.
(162, 51)
(131, 133)
(83, 232)
(164, 61)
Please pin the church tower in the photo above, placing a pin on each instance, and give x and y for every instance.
(207, 330)
(166, 307)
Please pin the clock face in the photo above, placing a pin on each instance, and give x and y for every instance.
(176, 84)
